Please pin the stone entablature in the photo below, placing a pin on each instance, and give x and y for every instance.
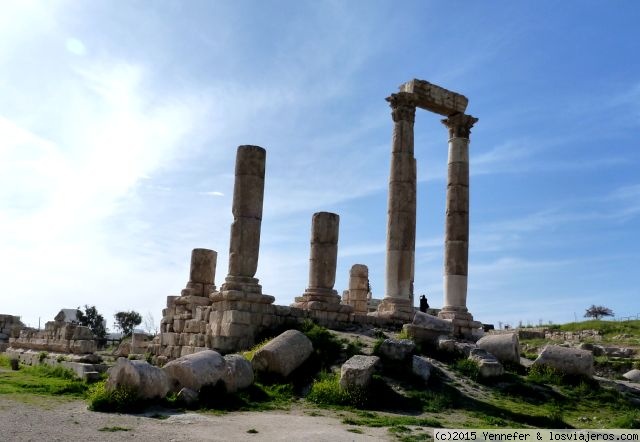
(434, 98)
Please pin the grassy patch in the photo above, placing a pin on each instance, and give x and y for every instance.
(326, 391)
(369, 419)
(114, 429)
(467, 368)
(120, 400)
(41, 380)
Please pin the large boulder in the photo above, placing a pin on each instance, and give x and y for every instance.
(505, 347)
(632, 375)
(239, 373)
(455, 346)
(283, 354)
(358, 371)
(488, 365)
(148, 381)
(396, 349)
(195, 370)
(426, 329)
(566, 360)
(421, 367)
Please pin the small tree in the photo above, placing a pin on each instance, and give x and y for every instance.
(92, 319)
(150, 324)
(598, 311)
(127, 321)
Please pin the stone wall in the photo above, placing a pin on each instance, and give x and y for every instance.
(56, 337)
(10, 327)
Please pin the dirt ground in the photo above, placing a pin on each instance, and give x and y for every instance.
(62, 420)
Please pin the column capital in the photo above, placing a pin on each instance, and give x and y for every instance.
(459, 125)
(403, 106)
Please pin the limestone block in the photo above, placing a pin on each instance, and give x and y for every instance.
(244, 246)
(458, 174)
(187, 396)
(457, 226)
(456, 258)
(487, 363)
(283, 354)
(505, 347)
(147, 380)
(195, 370)
(236, 316)
(632, 375)
(357, 371)
(239, 373)
(435, 98)
(421, 367)
(168, 338)
(203, 267)
(566, 360)
(235, 330)
(432, 322)
(178, 325)
(171, 300)
(83, 346)
(397, 349)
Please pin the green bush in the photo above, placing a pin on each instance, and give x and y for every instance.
(42, 356)
(544, 374)
(326, 347)
(468, 368)
(326, 390)
(120, 400)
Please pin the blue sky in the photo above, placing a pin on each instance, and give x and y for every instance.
(119, 123)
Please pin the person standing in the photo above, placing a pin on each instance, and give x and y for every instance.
(424, 304)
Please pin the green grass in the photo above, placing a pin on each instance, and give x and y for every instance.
(120, 400)
(326, 391)
(369, 419)
(40, 380)
(114, 429)
(467, 368)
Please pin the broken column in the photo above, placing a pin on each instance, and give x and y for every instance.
(358, 288)
(320, 294)
(239, 308)
(184, 321)
(401, 215)
(456, 249)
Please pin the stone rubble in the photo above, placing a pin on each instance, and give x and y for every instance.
(283, 354)
(357, 371)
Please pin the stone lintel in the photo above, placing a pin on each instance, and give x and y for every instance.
(435, 98)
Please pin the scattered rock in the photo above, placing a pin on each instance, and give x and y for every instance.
(633, 375)
(566, 360)
(239, 373)
(488, 364)
(422, 367)
(283, 354)
(454, 346)
(428, 328)
(148, 381)
(505, 346)
(358, 371)
(397, 349)
(187, 396)
(195, 370)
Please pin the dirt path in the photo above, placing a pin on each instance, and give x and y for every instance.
(55, 420)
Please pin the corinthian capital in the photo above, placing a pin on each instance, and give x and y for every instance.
(459, 125)
(403, 106)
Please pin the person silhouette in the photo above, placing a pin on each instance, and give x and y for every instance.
(424, 304)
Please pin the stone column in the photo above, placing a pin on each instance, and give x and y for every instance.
(202, 273)
(323, 261)
(248, 193)
(456, 249)
(401, 220)
(358, 288)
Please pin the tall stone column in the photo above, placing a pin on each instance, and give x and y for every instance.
(456, 249)
(401, 220)
(248, 194)
(240, 311)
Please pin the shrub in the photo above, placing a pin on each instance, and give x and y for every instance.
(120, 400)
(326, 347)
(326, 390)
(468, 368)
(42, 356)
(545, 374)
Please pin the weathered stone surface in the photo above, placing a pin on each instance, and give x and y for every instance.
(397, 349)
(435, 98)
(566, 360)
(148, 381)
(283, 354)
(431, 322)
(455, 346)
(487, 363)
(505, 347)
(195, 370)
(357, 295)
(421, 367)
(239, 373)
(203, 266)
(357, 371)
(632, 375)
(187, 396)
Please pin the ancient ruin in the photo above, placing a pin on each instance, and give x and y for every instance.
(401, 221)
(358, 294)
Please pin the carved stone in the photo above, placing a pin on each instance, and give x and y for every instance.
(358, 288)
